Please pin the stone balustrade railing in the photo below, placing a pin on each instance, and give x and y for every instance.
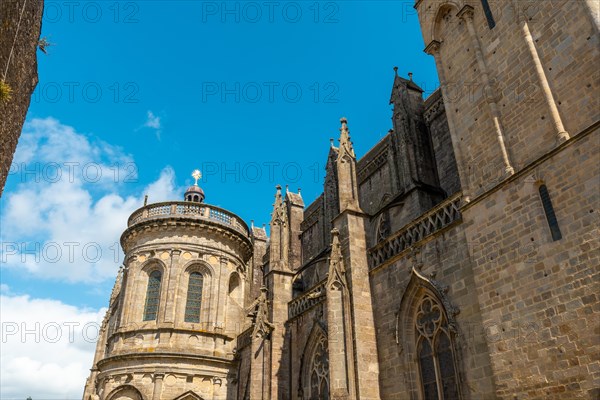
(432, 221)
(188, 210)
(307, 300)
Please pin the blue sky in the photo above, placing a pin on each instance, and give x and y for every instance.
(144, 92)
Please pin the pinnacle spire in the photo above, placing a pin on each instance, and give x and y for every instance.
(345, 143)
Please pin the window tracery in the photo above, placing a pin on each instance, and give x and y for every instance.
(434, 352)
(319, 371)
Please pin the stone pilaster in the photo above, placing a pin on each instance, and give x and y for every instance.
(337, 323)
(260, 363)
(433, 49)
(490, 93)
(158, 383)
(351, 225)
(559, 129)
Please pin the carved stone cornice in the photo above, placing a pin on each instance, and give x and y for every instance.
(175, 224)
(433, 47)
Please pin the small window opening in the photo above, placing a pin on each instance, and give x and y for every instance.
(488, 14)
(550, 215)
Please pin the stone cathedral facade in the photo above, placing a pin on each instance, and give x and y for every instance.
(457, 259)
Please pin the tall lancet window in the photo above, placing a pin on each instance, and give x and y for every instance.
(194, 297)
(319, 371)
(550, 215)
(152, 296)
(434, 352)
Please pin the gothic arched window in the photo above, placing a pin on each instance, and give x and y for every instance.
(434, 352)
(152, 296)
(319, 371)
(194, 297)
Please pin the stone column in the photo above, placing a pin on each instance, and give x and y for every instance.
(559, 130)
(489, 93)
(173, 277)
(222, 286)
(158, 382)
(129, 288)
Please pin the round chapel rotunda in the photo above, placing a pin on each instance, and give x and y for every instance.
(177, 305)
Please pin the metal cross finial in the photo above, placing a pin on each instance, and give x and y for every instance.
(196, 175)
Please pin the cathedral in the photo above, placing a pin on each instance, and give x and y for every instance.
(457, 259)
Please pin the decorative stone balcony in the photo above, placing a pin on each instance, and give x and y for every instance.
(303, 303)
(436, 219)
(185, 209)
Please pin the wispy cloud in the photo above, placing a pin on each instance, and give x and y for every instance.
(153, 122)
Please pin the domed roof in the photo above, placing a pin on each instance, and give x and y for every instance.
(194, 189)
(194, 193)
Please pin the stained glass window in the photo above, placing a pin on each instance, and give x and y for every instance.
(152, 296)
(319, 371)
(428, 371)
(194, 297)
(435, 354)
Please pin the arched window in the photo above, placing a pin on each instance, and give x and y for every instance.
(434, 352)
(319, 371)
(152, 296)
(194, 298)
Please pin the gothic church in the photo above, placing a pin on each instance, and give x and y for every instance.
(457, 259)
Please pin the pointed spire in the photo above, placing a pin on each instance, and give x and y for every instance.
(278, 209)
(345, 143)
(346, 170)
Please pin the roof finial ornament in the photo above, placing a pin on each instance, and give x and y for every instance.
(194, 193)
(196, 174)
(410, 75)
(396, 70)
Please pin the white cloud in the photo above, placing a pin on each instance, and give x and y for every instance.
(153, 122)
(65, 217)
(47, 347)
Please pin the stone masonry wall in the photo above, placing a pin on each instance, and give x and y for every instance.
(21, 72)
(446, 255)
(539, 297)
